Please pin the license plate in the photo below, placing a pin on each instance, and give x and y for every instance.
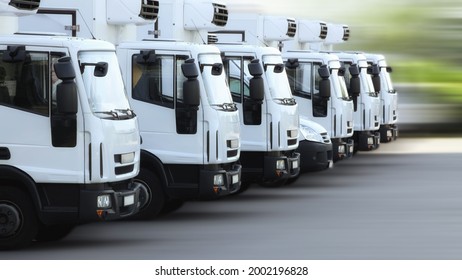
(294, 164)
(129, 200)
(235, 178)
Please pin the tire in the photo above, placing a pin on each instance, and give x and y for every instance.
(157, 198)
(171, 206)
(47, 233)
(18, 220)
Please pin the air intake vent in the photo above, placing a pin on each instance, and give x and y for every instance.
(25, 4)
(291, 28)
(212, 39)
(149, 9)
(323, 30)
(220, 14)
(346, 33)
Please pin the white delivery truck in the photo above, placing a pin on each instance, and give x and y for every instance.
(318, 85)
(69, 141)
(367, 102)
(188, 121)
(388, 98)
(258, 36)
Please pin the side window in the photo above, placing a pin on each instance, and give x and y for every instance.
(233, 75)
(317, 78)
(154, 83)
(25, 84)
(54, 81)
(347, 75)
(180, 78)
(247, 77)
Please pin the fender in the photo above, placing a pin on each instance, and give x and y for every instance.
(10, 173)
(148, 160)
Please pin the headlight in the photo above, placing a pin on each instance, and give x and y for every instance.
(218, 180)
(341, 149)
(370, 140)
(310, 134)
(103, 201)
(280, 164)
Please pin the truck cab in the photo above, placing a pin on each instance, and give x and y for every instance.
(71, 146)
(366, 104)
(388, 98)
(268, 113)
(329, 105)
(189, 124)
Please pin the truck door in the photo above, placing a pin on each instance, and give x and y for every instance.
(175, 134)
(27, 117)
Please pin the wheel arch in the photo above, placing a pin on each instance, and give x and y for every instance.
(15, 177)
(153, 163)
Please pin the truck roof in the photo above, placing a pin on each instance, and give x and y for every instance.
(56, 41)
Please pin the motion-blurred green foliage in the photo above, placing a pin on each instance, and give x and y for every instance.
(422, 41)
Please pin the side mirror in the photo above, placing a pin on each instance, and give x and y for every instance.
(14, 54)
(191, 87)
(256, 84)
(389, 69)
(355, 86)
(374, 70)
(292, 63)
(376, 82)
(324, 88)
(255, 68)
(278, 68)
(324, 72)
(189, 69)
(146, 57)
(100, 69)
(354, 70)
(217, 69)
(66, 91)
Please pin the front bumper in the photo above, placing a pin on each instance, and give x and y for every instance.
(315, 156)
(342, 149)
(231, 183)
(388, 132)
(368, 140)
(124, 202)
(291, 170)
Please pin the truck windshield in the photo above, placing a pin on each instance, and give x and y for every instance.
(215, 85)
(338, 85)
(277, 80)
(105, 93)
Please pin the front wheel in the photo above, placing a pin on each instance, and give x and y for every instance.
(18, 221)
(156, 198)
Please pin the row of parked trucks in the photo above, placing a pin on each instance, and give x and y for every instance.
(127, 109)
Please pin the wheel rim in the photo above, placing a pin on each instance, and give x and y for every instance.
(10, 219)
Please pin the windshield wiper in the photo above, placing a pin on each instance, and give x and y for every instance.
(229, 107)
(128, 113)
(286, 101)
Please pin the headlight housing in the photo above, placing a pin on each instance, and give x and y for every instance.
(310, 134)
(218, 180)
(103, 201)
